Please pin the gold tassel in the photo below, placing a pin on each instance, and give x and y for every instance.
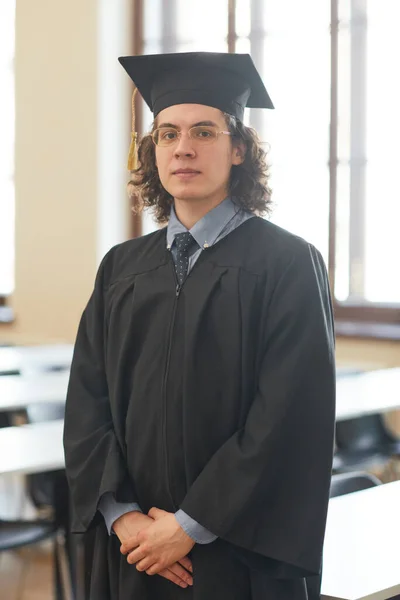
(132, 156)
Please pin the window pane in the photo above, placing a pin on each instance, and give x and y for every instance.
(243, 45)
(152, 23)
(342, 232)
(342, 261)
(344, 93)
(7, 129)
(382, 281)
(299, 18)
(202, 26)
(203, 45)
(242, 19)
(368, 243)
(296, 71)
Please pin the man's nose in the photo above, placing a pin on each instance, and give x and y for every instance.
(184, 146)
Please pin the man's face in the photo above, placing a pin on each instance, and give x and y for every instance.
(189, 170)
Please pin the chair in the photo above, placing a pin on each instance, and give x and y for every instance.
(347, 483)
(47, 491)
(5, 419)
(44, 487)
(16, 534)
(362, 443)
(7, 372)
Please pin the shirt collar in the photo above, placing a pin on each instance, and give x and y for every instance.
(207, 230)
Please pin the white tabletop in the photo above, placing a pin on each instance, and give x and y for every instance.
(31, 359)
(18, 391)
(32, 448)
(368, 393)
(359, 395)
(361, 551)
(362, 545)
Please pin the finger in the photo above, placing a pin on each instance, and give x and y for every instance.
(181, 573)
(155, 569)
(136, 556)
(146, 564)
(187, 563)
(128, 546)
(168, 574)
(156, 513)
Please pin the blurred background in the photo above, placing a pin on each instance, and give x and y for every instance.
(333, 139)
(65, 118)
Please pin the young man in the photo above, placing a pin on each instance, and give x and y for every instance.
(200, 412)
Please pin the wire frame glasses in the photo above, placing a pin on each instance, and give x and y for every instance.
(200, 134)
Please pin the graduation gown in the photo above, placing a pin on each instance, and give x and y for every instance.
(217, 398)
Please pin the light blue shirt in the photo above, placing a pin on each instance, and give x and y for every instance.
(214, 226)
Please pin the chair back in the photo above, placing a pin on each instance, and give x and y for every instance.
(347, 483)
(45, 411)
(362, 434)
(43, 487)
(7, 372)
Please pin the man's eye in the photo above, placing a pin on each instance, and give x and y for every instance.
(204, 133)
(168, 135)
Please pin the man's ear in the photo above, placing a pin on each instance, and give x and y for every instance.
(238, 154)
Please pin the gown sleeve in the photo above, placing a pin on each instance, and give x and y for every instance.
(94, 461)
(266, 490)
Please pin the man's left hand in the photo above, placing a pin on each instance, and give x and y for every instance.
(158, 546)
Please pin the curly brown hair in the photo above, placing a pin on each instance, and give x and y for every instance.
(248, 184)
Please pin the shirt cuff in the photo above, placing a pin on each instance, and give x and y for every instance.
(112, 510)
(197, 532)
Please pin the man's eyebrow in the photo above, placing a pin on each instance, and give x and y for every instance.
(200, 123)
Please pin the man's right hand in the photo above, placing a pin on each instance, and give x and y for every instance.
(129, 525)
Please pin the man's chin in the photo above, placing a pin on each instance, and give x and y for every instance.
(187, 194)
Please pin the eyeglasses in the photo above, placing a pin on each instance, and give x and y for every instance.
(201, 134)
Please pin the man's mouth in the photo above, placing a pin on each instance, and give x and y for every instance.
(186, 173)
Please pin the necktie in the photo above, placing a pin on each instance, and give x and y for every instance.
(184, 243)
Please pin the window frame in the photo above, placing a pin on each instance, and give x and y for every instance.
(354, 319)
(366, 319)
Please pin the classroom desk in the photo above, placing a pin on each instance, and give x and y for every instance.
(39, 448)
(359, 395)
(362, 545)
(361, 551)
(19, 391)
(36, 359)
(32, 448)
(368, 393)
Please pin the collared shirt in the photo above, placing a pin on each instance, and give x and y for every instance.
(211, 228)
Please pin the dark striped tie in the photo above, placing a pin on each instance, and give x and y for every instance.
(184, 243)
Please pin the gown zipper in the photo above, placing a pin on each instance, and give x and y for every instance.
(178, 289)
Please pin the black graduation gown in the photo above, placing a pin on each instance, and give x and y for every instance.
(217, 398)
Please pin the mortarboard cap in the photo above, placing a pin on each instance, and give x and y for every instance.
(229, 82)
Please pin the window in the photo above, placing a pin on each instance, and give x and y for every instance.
(7, 117)
(330, 67)
(293, 58)
(368, 133)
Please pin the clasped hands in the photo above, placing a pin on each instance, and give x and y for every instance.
(156, 544)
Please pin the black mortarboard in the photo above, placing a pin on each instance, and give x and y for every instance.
(229, 82)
